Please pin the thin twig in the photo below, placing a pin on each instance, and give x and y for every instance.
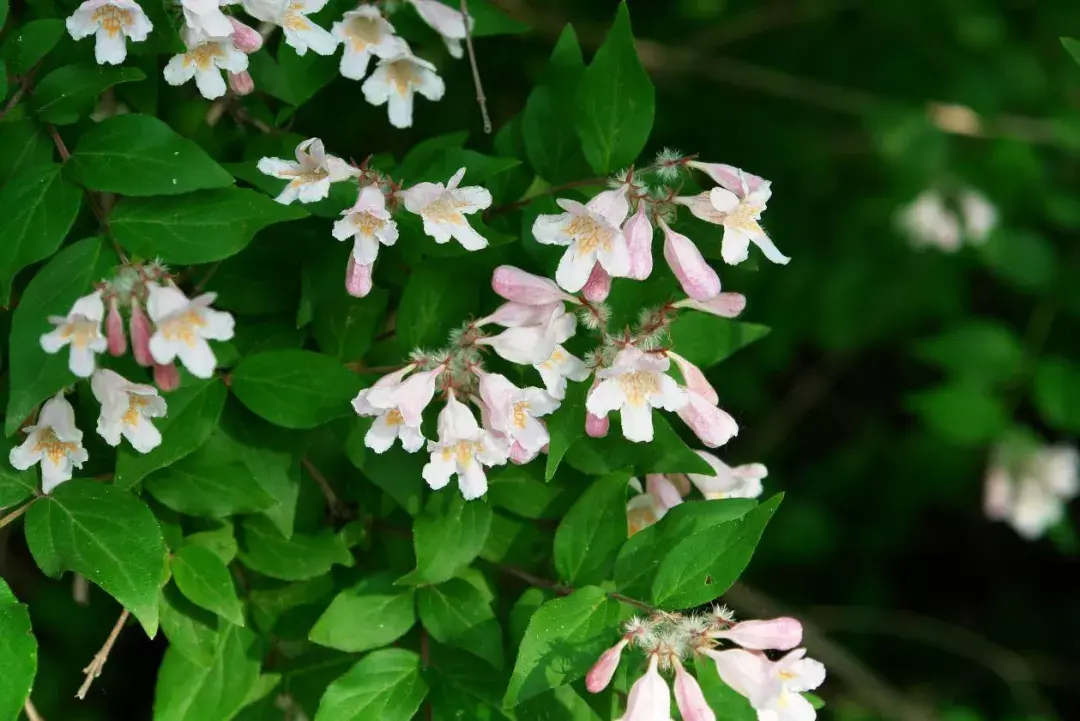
(480, 98)
(98, 663)
(206, 278)
(15, 514)
(567, 590)
(337, 507)
(31, 712)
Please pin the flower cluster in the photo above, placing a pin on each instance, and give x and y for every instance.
(217, 42)
(171, 327)
(668, 640)
(1028, 487)
(929, 221)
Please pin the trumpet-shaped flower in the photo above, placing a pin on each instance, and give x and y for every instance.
(560, 366)
(398, 404)
(443, 209)
(727, 482)
(81, 329)
(650, 697)
(513, 411)
(54, 442)
(368, 223)
(773, 688)
(113, 22)
(463, 449)
(310, 175)
(205, 61)
(292, 16)
(636, 383)
(126, 410)
(205, 20)
(446, 21)
(594, 235)
(396, 80)
(364, 32)
(183, 327)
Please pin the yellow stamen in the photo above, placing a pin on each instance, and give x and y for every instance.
(589, 234)
(637, 386)
(520, 415)
(49, 445)
(204, 55)
(367, 223)
(394, 418)
(362, 32)
(183, 327)
(113, 19)
(402, 75)
(443, 210)
(135, 405)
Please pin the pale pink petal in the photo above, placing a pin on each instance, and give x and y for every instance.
(694, 379)
(781, 634)
(596, 426)
(639, 236)
(519, 286)
(696, 277)
(689, 697)
(713, 426)
(598, 285)
(603, 670)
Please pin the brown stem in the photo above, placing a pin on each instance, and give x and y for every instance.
(98, 663)
(15, 514)
(499, 209)
(480, 99)
(567, 590)
(31, 712)
(337, 507)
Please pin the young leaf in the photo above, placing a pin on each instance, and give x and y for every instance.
(37, 209)
(372, 614)
(203, 578)
(107, 535)
(295, 388)
(563, 640)
(979, 351)
(615, 101)
(187, 691)
(1072, 47)
(551, 139)
(703, 565)
(1057, 393)
(68, 94)
(385, 685)
(459, 614)
(18, 654)
(194, 409)
(590, 535)
(137, 155)
(197, 228)
(306, 555)
(705, 340)
(962, 413)
(565, 426)
(439, 296)
(447, 536)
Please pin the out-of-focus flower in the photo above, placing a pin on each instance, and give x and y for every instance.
(1028, 489)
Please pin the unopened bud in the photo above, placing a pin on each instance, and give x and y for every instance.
(166, 377)
(241, 83)
(598, 285)
(139, 326)
(114, 331)
(246, 39)
(603, 670)
(518, 286)
(689, 697)
(357, 278)
(697, 278)
(780, 634)
(725, 305)
(639, 236)
(595, 426)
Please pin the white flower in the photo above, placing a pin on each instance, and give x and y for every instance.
(773, 688)
(205, 62)
(446, 21)
(513, 411)
(53, 441)
(649, 698)
(927, 221)
(398, 406)
(1030, 494)
(205, 20)
(183, 326)
(82, 329)
(652, 503)
(291, 16)
(112, 21)
(557, 368)
(727, 482)
(369, 223)
(365, 32)
(394, 82)
(979, 214)
(594, 235)
(463, 448)
(310, 175)
(532, 336)
(635, 384)
(126, 410)
(444, 207)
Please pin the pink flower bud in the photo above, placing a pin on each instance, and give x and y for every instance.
(696, 277)
(598, 285)
(166, 377)
(662, 490)
(357, 278)
(713, 426)
(725, 305)
(114, 331)
(595, 426)
(639, 234)
(515, 315)
(246, 39)
(139, 327)
(694, 379)
(241, 83)
(519, 454)
(518, 286)
(781, 634)
(603, 670)
(689, 697)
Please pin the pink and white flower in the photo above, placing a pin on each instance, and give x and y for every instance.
(396, 80)
(650, 697)
(292, 16)
(519, 286)
(695, 275)
(398, 404)
(651, 503)
(54, 442)
(365, 32)
(727, 482)
(712, 425)
(561, 365)
(773, 688)
(636, 383)
(781, 634)
(927, 221)
(463, 449)
(594, 235)
(368, 223)
(639, 236)
(443, 209)
(205, 60)
(205, 19)
(532, 332)
(1030, 494)
(446, 21)
(112, 22)
(114, 330)
(81, 329)
(513, 412)
(183, 326)
(725, 305)
(603, 670)
(689, 697)
(310, 175)
(357, 278)
(126, 410)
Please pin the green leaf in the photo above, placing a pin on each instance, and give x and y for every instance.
(703, 565)
(1072, 47)
(725, 701)
(295, 388)
(292, 78)
(68, 94)
(138, 155)
(422, 155)
(1057, 393)
(960, 412)
(220, 541)
(189, 691)
(565, 426)
(551, 139)
(490, 20)
(560, 704)
(459, 614)
(447, 536)
(705, 340)
(189, 629)
(1022, 258)
(590, 535)
(107, 535)
(463, 687)
(199, 487)
(199, 227)
(37, 209)
(372, 614)
(977, 351)
(522, 491)
(15, 486)
(563, 640)
(18, 653)
(615, 101)
(345, 326)
(207, 583)
(30, 43)
(193, 414)
(397, 471)
(439, 295)
(22, 145)
(305, 555)
(667, 453)
(385, 685)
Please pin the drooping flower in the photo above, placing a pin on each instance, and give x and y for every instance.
(650, 697)
(81, 329)
(443, 209)
(639, 236)
(183, 327)
(595, 426)
(781, 634)
(365, 32)
(513, 411)
(246, 38)
(126, 410)
(594, 235)
(695, 275)
(739, 482)
(205, 61)
(368, 223)
(54, 442)
(635, 383)
(774, 689)
(205, 19)
(532, 332)
(139, 327)
(357, 278)
(979, 215)
(114, 331)
(711, 424)
(398, 404)
(310, 175)
(241, 83)
(292, 16)
(463, 449)
(112, 21)
(396, 80)
(598, 286)
(560, 366)
(725, 305)
(690, 698)
(1030, 492)
(519, 286)
(446, 21)
(166, 376)
(603, 670)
